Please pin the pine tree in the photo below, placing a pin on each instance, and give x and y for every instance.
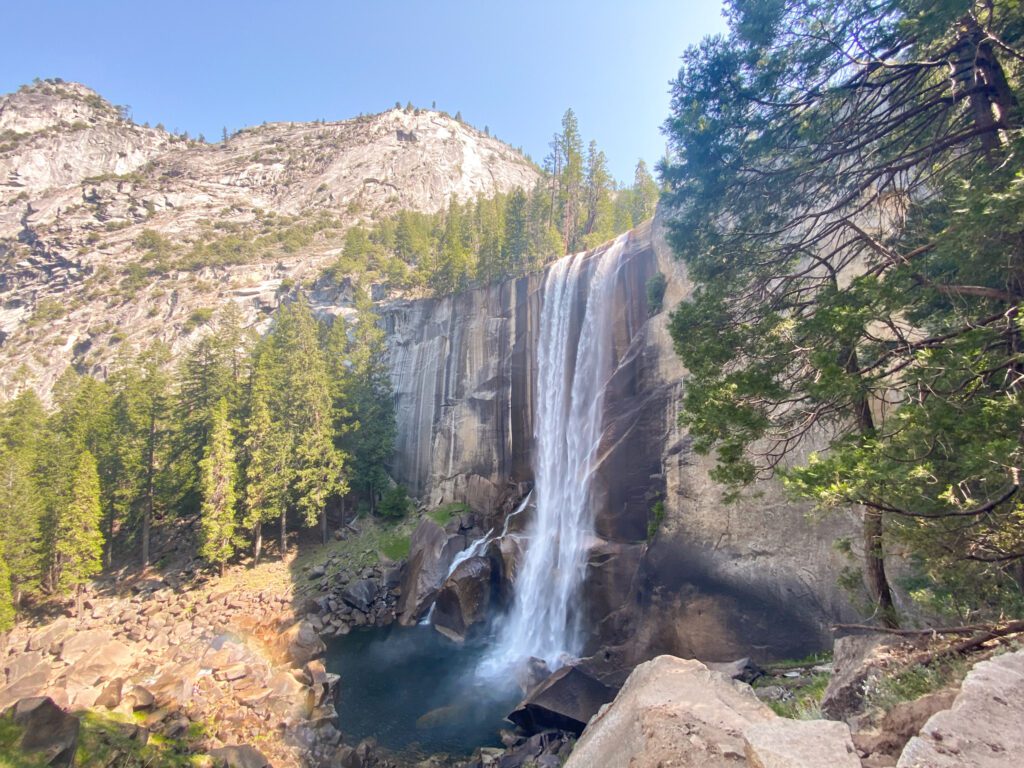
(142, 403)
(22, 507)
(317, 466)
(364, 402)
(78, 541)
(597, 226)
(7, 606)
(269, 450)
(645, 194)
(219, 477)
(516, 239)
(570, 182)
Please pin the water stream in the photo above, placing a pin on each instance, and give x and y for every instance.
(544, 621)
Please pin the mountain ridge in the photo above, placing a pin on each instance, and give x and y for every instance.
(87, 197)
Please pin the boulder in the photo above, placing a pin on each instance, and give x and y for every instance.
(431, 552)
(83, 643)
(983, 727)
(24, 664)
(240, 756)
(50, 639)
(101, 663)
(902, 722)
(25, 686)
(857, 660)
(47, 729)
(361, 594)
(465, 598)
(566, 700)
(784, 743)
(300, 643)
(671, 711)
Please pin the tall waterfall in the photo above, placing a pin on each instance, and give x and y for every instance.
(572, 370)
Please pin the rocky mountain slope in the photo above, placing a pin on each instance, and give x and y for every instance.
(112, 232)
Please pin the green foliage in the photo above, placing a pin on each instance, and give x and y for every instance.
(655, 519)
(78, 541)
(447, 512)
(219, 479)
(656, 293)
(199, 317)
(395, 545)
(395, 503)
(915, 681)
(7, 607)
(46, 311)
(860, 277)
(806, 702)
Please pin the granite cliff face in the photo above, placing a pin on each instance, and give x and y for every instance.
(716, 581)
(82, 187)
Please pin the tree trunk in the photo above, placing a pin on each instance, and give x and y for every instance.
(257, 545)
(876, 579)
(284, 533)
(874, 567)
(78, 603)
(323, 524)
(222, 569)
(147, 515)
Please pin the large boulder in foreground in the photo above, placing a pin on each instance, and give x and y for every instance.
(566, 700)
(985, 726)
(465, 599)
(47, 729)
(675, 712)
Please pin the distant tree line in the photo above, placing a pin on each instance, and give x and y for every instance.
(241, 433)
(574, 206)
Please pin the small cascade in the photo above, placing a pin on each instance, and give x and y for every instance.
(572, 371)
(478, 547)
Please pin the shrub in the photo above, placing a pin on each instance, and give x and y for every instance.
(395, 503)
(656, 293)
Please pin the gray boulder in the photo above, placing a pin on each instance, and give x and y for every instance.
(361, 594)
(465, 598)
(241, 756)
(857, 660)
(983, 728)
(47, 729)
(566, 700)
(431, 552)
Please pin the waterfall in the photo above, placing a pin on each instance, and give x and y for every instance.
(572, 371)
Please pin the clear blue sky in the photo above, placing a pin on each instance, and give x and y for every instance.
(511, 66)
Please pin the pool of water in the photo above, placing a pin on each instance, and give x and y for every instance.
(414, 690)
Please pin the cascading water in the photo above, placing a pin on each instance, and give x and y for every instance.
(571, 378)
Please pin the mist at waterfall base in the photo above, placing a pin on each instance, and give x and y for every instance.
(412, 687)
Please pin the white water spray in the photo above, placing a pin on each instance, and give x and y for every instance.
(545, 621)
